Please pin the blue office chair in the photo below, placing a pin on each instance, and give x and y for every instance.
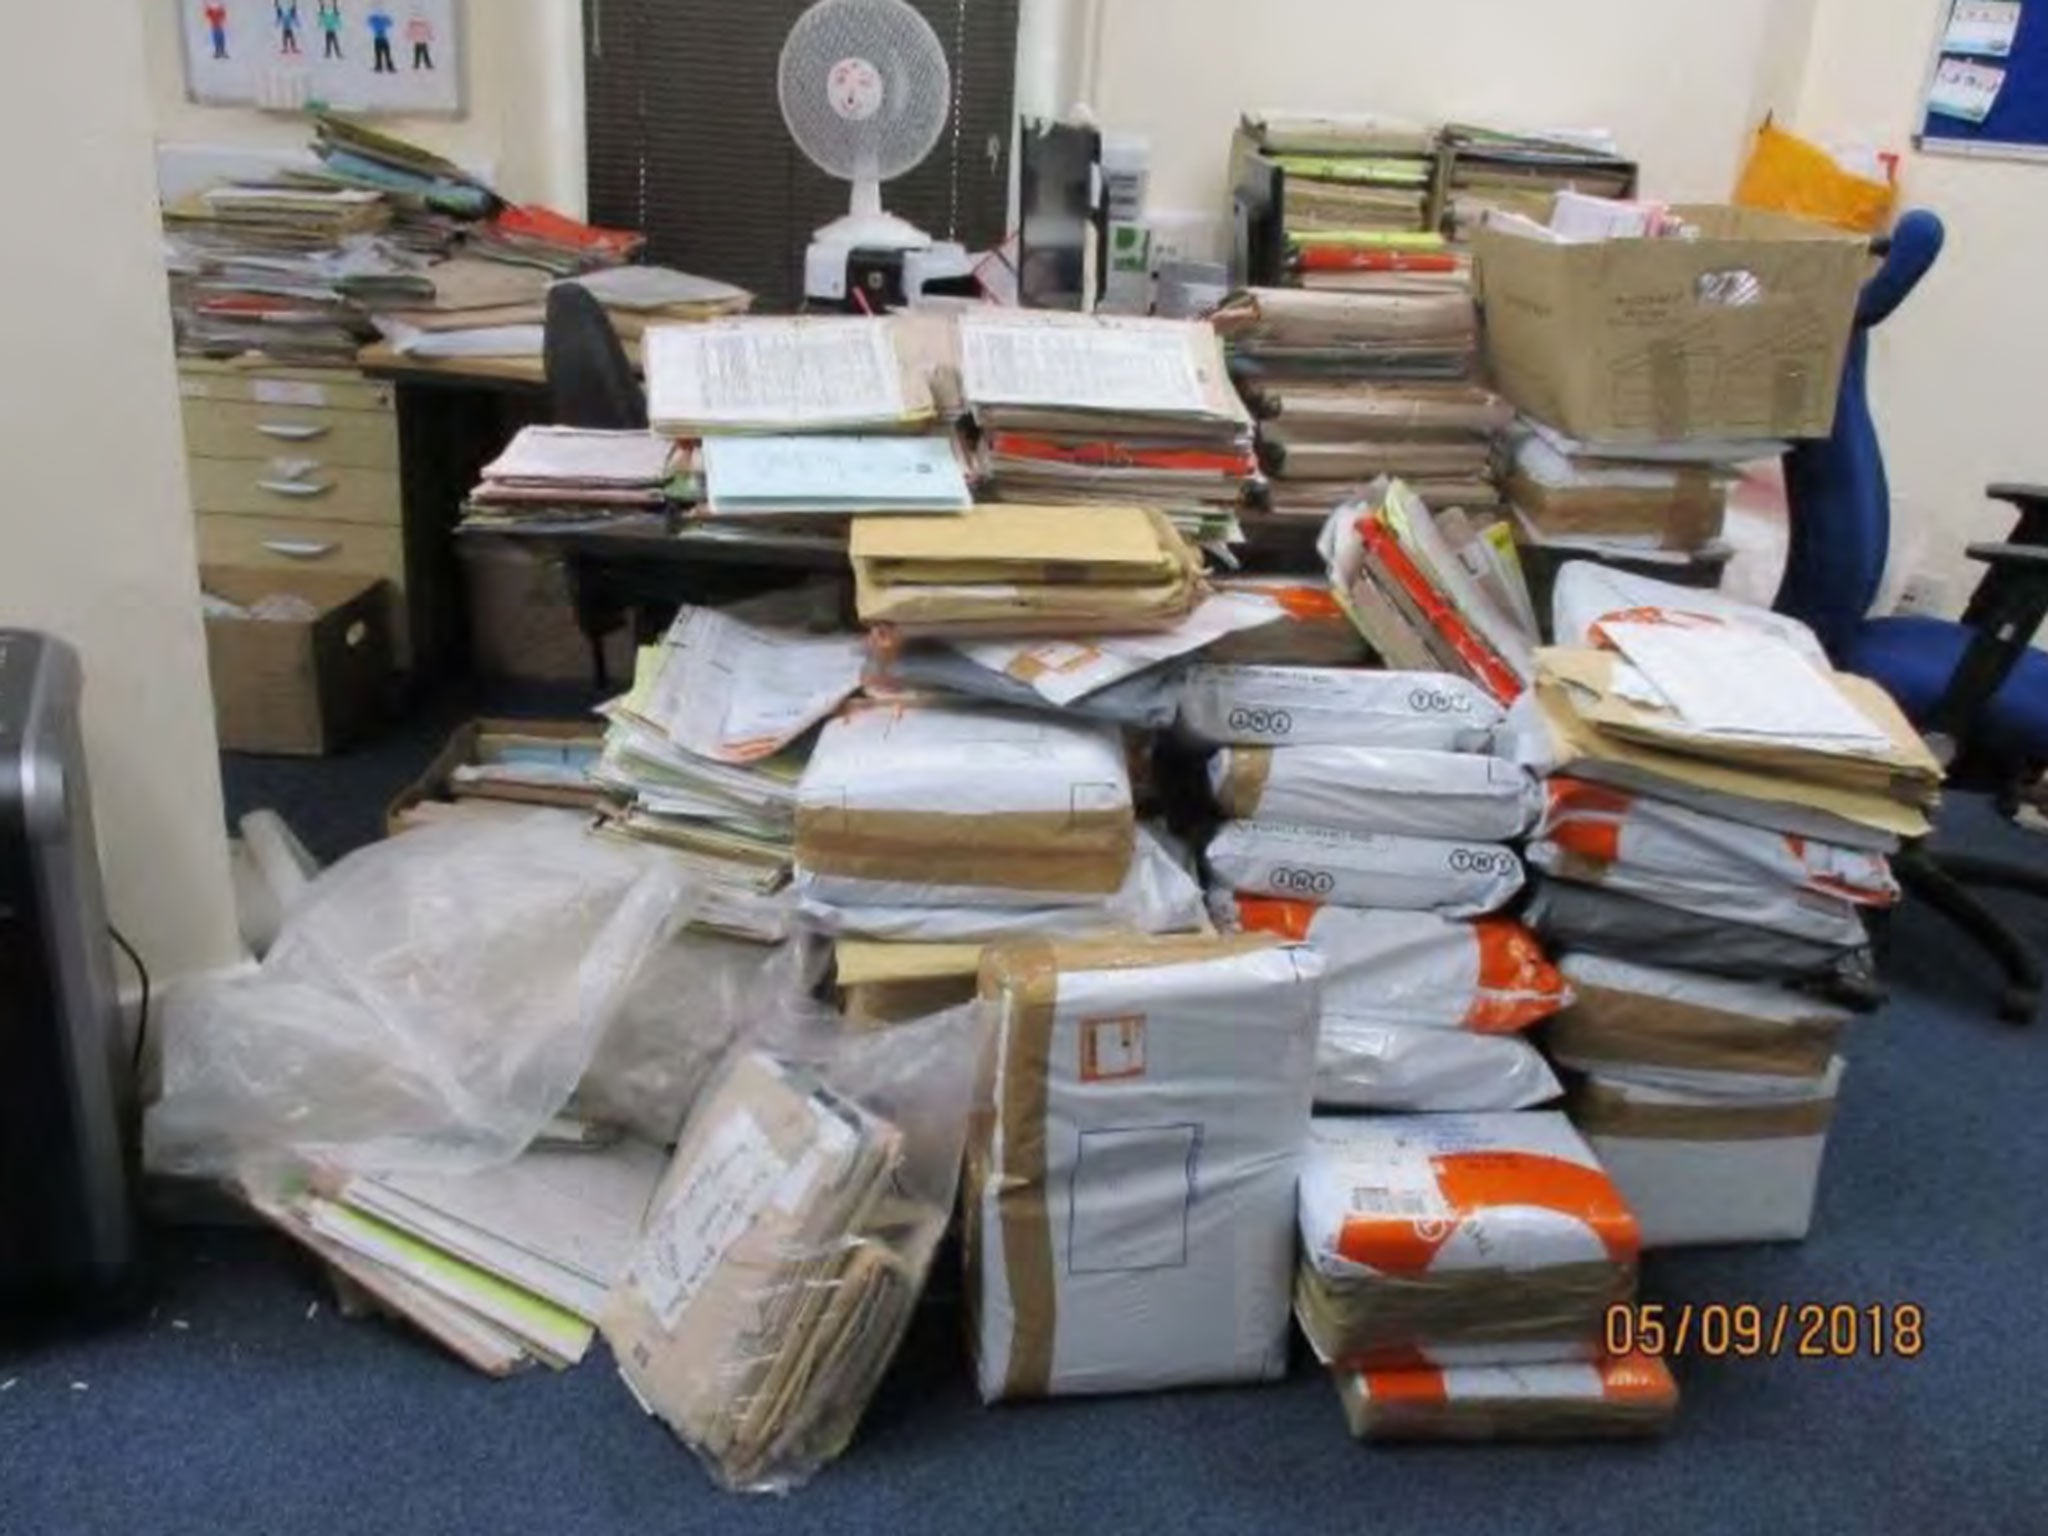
(1976, 688)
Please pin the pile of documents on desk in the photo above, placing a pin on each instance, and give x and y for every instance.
(780, 375)
(1352, 386)
(704, 754)
(476, 306)
(433, 195)
(1456, 1273)
(1098, 409)
(277, 268)
(551, 478)
(1720, 799)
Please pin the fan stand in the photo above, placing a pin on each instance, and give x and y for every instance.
(865, 230)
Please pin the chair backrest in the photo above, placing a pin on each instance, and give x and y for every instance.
(1835, 487)
(590, 379)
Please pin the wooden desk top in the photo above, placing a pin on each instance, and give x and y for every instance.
(380, 361)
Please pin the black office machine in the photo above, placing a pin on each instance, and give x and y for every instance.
(67, 1227)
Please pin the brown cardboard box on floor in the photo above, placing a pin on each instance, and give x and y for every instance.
(297, 686)
(1740, 333)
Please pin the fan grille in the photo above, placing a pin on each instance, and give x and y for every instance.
(864, 86)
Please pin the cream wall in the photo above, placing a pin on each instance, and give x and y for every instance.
(1955, 373)
(1679, 81)
(95, 526)
(525, 118)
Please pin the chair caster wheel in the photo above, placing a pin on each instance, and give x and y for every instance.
(2018, 1004)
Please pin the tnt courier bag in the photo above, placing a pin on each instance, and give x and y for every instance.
(1423, 1233)
(1130, 1177)
(1401, 790)
(1612, 1397)
(987, 807)
(1420, 1012)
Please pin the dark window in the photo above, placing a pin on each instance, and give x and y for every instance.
(686, 139)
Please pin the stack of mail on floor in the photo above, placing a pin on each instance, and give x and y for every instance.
(704, 754)
(1708, 1099)
(1097, 409)
(1352, 386)
(1369, 817)
(1720, 799)
(550, 477)
(503, 1267)
(1438, 1250)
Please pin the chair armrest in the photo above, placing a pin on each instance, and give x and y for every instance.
(2017, 558)
(2016, 492)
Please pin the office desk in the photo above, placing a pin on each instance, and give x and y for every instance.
(614, 571)
(455, 416)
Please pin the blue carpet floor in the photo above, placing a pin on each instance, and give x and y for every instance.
(243, 1403)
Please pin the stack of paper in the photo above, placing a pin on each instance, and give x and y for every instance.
(472, 306)
(639, 297)
(551, 477)
(1090, 409)
(269, 268)
(1431, 594)
(1019, 570)
(704, 754)
(818, 482)
(504, 1267)
(533, 236)
(352, 154)
(1354, 385)
(1522, 173)
(1350, 181)
(786, 374)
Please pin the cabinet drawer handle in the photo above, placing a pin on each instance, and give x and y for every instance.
(305, 490)
(291, 432)
(300, 549)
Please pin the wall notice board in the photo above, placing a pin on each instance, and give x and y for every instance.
(1986, 91)
(363, 56)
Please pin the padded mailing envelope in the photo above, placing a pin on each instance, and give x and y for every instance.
(1457, 1230)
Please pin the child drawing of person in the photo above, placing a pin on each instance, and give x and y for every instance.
(420, 33)
(380, 31)
(330, 29)
(287, 12)
(217, 28)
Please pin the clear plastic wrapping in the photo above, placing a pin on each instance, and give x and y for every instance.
(430, 1003)
(786, 1248)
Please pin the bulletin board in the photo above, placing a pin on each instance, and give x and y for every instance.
(1986, 91)
(360, 56)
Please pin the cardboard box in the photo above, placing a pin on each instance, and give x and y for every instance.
(522, 616)
(1738, 334)
(298, 687)
(483, 741)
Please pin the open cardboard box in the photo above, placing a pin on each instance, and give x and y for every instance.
(297, 686)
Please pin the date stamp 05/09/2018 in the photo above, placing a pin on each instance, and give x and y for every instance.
(1790, 1330)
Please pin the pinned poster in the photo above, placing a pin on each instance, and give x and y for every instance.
(1965, 90)
(1982, 28)
(373, 57)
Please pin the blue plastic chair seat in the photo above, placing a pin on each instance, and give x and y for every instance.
(1914, 657)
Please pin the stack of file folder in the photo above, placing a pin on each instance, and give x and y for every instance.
(1355, 385)
(427, 188)
(277, 269)
(1485, 170)
(504, 1267)
(1079, 410)
(704, 753)
(784, 375)
(553, 477)
(818, 483)
(1349, 182)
